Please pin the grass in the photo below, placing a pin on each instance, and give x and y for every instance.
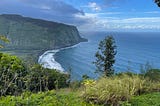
(119, 90)
(152, 99)
(49, 98)
(67, 97)
(113, 90)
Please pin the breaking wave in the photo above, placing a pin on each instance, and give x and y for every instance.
(47, 59)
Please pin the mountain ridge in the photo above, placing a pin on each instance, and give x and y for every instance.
(27, 33)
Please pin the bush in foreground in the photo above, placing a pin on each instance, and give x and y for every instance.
(43, 79)
(12, 72)
(49, 98)
(112, 90)
(153, 75)
(16, 77)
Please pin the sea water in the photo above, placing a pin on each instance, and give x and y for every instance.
(133, 50)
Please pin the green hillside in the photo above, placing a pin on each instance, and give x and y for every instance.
(30, 36)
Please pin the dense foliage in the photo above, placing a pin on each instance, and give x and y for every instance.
(59, 98)
(20, 79)
(42, 79)
(16, 77)
(105, 56)
(12, 72)
(49, 98)
(153, 74)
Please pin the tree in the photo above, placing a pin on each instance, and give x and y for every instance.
(157, 2)
(12, 72)
(42, 79)
(105, 56)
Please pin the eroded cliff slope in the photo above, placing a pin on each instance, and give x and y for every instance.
(30, 36)
(27, 33)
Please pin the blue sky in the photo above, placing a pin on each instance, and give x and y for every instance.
(90, 15)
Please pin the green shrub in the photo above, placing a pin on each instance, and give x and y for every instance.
(153, 75)
(42, 79)
(75, 85)
(49, 98)
(16, 78)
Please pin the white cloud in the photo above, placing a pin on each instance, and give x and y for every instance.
(45, 7)
(111, 13)
(52, 10)
(96, 22)
(94, 6)
(57, 10)
(140, 20)
(152, 12)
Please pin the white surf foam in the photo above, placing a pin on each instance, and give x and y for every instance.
(47, 59)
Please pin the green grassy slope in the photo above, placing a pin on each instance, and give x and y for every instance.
(68, 98)
(152, 99)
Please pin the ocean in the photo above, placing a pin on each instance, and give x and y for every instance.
(134, 49)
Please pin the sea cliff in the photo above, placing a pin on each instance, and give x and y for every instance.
(28, 34)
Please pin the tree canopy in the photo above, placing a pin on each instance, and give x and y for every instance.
(12, 72)
(105, 56)
(16, 77)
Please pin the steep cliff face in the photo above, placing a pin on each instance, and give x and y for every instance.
(34, 34)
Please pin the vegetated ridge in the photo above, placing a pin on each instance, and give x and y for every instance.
(31, 34)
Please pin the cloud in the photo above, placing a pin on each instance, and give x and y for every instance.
(94, 6)
(99, 23)
(111, 3)
(56, 6)
(45, 7)
(58, 10)
(152, 12)
(54, 10)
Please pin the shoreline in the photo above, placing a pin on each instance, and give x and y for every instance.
(47, 59)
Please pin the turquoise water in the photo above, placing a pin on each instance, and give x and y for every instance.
(133, 50)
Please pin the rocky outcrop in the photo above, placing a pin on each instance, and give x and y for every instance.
(35, 34)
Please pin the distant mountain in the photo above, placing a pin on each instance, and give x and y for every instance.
(27, 33)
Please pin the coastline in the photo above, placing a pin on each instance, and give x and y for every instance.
(47, 59)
